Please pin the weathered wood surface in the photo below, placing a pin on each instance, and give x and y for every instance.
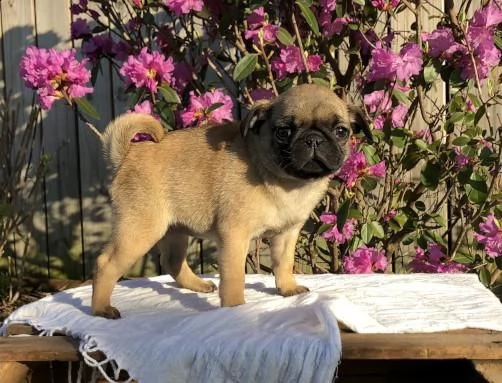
(465, 344)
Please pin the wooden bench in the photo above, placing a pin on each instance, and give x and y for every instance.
(459, 356)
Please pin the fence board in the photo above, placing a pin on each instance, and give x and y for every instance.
(62, 184)
(18, 32)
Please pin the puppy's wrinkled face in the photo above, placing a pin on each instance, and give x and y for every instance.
(307, 131)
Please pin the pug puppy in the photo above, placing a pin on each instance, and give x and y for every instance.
(223, 183)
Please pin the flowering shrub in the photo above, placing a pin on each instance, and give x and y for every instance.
(199, 62)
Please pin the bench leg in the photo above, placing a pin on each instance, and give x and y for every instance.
(491, 370)
(13, 372)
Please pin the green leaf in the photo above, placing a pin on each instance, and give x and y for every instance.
(323, 228)
(400, 96)
(308, 15)
(484, 276)
(370, 154)
(359, 2)
(369, 183)
(366, 233)
(285, 37)
(430, 174)
(341, 216)
(213, 107)
(421, 144)
(169, 94)
(87, 108)
(479, 114)
(322, 245)
(476, 189)
(430, 74)
(321, 81)
(245, 66)
(377, 229)
(456, 117)
(461, 141)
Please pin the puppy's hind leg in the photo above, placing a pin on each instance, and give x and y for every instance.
(130, 241)
(173, 252)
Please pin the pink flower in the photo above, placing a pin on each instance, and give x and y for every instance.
(145, 107)
(351, 169)
(290, 61)
(490, 236)
(201, 109)
(54, 74)
(379, 121)
(356, 166)
(147, 70)
(390, 215)
(461, 160)
(442, 43)
(98, 46)
(333, 234)
(261, 94)
(183, 7)
(385, 5)
(332, 27)
(377, 101)
(386, 65)
(410, 63)
(434, 261)
(78, 7)
(398, 115)
(489, 16)
(258, 28)
(377, 170)
(137, 3)
(364, 261)
(383, 65)
(79, 29)
(314, 63)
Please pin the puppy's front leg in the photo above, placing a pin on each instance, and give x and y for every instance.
(232, 263)
(283, 257)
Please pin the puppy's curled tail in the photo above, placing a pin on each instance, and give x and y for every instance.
(118, 134)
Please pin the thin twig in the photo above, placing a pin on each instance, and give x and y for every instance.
(300, 44)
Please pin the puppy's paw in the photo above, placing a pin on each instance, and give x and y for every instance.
(109, 312)
(203, 286)
(293, 291)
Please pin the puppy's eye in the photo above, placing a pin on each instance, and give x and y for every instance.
(283, 134)
(341, 132)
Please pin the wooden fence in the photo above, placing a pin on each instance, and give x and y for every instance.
(72, 223)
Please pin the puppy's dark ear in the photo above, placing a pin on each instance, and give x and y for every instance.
(255, 118)
(358, 122)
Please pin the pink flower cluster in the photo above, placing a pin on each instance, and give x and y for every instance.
(54, 74)
(378, 102)
(202, 109)
(364, 261)
(290, 61)
(434, 261)
(479, 40)
(333, 234)
(147, 70)
(356, 166)
(387, 65)
(258, 28)
(183, 7)
(490, 236)
(330, 26)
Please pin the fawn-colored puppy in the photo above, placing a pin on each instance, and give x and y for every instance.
(223, 183)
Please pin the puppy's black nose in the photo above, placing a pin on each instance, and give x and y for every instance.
(313, 140)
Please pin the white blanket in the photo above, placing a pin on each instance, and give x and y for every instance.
(172, 335)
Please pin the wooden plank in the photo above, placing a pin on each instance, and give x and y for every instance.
(38, 349)
(61, 142)
(13, 372)
(435, 346)
(422, 346)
